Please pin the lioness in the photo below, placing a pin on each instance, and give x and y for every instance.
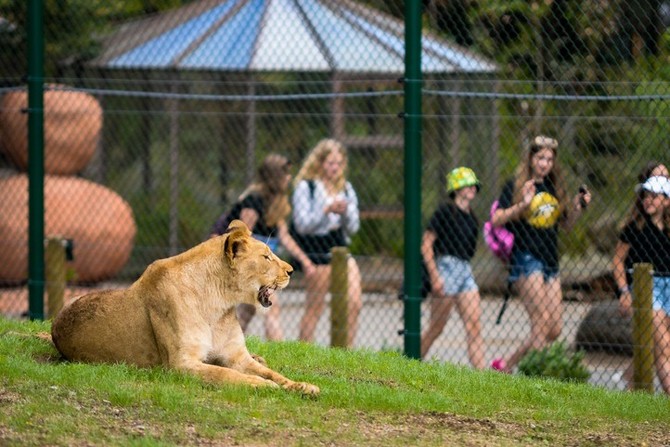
(181, 314)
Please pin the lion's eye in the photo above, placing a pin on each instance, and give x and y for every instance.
(268, 257)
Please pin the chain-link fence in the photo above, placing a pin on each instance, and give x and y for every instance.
(158, 114)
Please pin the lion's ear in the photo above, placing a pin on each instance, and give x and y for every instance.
(237, 240)
(238, 225)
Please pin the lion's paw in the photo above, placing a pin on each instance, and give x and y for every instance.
(259, 381)
(305, 388)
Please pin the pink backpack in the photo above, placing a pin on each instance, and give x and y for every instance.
(499, 240)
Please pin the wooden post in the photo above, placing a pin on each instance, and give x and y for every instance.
(337, 111)
(339, 297)
(643, 326)
(55, 275)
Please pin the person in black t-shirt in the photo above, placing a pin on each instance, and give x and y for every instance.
(264, 207)
(646, 238)
(448, 245)
(532, 206)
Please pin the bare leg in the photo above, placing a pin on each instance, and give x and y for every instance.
(440, 309)
(662, 348)
(628, 376)
(533, 293)
(317, 287)
(245, 312)
(554, 309)
(273, 330)
(469, 307)
(355, 302)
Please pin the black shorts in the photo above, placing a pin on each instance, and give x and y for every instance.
(317, 246)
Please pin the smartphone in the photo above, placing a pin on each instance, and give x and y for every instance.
(582, 192)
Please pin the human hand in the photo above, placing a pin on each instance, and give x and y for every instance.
(308, 267)
(528, 192)
(626, 304)
(339, 206)
(583, 198)
(437, 286)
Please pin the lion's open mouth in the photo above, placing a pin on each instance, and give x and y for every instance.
(264, 294)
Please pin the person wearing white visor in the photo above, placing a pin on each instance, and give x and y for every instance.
(646, 238)
(658, 184)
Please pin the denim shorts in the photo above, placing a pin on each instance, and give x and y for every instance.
(524, 264)
(662, 293)
(456, 275)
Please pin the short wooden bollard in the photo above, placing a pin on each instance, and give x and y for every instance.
(55, 271)
(643, 326)
(339, 297)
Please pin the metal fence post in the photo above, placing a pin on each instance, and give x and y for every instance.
(412, 135)
(643, 341)
(35, 160)
(339, 297)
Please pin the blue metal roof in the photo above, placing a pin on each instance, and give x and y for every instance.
(278, 35)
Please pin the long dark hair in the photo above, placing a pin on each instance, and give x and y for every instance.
(271, 184)
(637, 213)
(524, 170)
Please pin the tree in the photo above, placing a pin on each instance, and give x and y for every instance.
(71, 31)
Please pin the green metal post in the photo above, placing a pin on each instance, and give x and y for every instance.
(412, 292)
(35, 160)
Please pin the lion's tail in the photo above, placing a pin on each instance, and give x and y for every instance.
(41, 335)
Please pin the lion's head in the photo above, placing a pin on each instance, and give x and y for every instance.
(255, 264)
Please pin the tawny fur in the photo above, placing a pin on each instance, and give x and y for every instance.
(181, 314)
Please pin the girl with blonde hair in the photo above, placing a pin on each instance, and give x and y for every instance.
(325, 215)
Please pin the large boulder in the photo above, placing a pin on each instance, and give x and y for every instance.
(604, 234)
(99, 221)
(604, 329)
(72, 124)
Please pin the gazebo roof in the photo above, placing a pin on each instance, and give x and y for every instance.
(278, 35)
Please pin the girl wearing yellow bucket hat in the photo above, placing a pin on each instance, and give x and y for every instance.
(448, 244)
(532, 206)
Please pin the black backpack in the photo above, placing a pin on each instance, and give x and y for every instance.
(297, 237)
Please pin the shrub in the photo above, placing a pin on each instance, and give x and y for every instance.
(555, 361)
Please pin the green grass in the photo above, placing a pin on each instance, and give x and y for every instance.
(367, 398)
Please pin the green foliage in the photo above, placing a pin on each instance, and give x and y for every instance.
(556, 362)
(68, 31)
(71, 30)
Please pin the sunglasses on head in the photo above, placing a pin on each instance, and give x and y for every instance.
(540, 142)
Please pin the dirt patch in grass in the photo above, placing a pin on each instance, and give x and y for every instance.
(117, 424)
